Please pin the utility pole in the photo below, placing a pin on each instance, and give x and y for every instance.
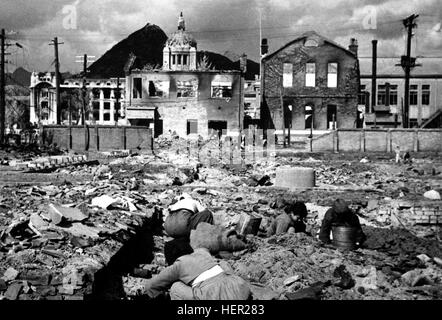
(55, 43)
(408, 63)
(117, 102)
(2, 90)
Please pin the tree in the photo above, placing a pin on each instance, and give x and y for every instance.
(73, 101)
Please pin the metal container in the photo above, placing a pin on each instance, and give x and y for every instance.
(248, 224)
(344, 237)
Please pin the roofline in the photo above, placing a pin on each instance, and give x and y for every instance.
(305, 36)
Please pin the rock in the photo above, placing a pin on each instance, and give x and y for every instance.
(311, 293)
(364, 160)
(370, 279)
(432, 194)
(438, 261)
(102, 170)
(291, 280)
(10, 274)
(60, 213)
(262, 201)
(263, 293)
(66, 289)
(88, 192)
(36, 277)
(13, 291)
(411, 276)
(372, 205)
(80, 230)
(81, 242)
(345, 281)
(104, 201)
(37, 221)
(424, 258)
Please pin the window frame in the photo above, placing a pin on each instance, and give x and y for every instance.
(334, 74)
(223, 86)
(312, 75)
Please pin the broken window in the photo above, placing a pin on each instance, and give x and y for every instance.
(107, 93)
(310, 74)
(413, 94)
(44, 110)
(186, 89)
(287, 75)
(221, 89)
(96, 93)
(107, 106)
(106, 117)
(192, 126)
(137, 88)
(393, 95)
(173, 59)
(426, 94)
(158, 88)
(382, 95)
(179, 59)
(332, 77)
(362, 97)
(184, 60)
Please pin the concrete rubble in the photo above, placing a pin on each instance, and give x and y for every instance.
(58, 241)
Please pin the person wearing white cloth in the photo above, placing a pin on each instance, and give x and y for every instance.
(184, 216)
(199, 276)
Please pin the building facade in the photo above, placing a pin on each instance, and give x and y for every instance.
(184, 96)
(101, 100)
(425, 93)
(311, 82)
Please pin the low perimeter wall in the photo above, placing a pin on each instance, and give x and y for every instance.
(379, 140)
(98, 138)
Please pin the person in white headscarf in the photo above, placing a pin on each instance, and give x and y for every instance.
(184, 216)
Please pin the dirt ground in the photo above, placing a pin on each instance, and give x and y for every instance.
(400, 260)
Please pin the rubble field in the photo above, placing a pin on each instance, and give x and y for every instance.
(93, 231)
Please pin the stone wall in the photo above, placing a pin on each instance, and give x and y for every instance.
(100, 138)
(379, 140)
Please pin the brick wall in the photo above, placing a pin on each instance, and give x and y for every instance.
(344, 97)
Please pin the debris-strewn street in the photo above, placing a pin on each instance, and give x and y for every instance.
(67, 233)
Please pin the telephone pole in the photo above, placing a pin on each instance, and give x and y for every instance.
(408, 63)
(2, 90)
(55, 43)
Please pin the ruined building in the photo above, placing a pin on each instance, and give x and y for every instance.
(187, 94)
(315, 80)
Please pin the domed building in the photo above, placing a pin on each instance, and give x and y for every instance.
(192, 93)
(180, 50)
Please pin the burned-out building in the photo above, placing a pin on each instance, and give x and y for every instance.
(187, 94)
(315, 80)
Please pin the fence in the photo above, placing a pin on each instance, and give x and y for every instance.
(379, 140)
(98, 138)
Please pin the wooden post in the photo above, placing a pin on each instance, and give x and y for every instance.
(97, 138)
(416, 141)
(124, 139)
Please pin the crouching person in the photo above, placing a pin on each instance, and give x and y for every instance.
(341, 215)
(184, 216)
(292, 220)
(199, 276)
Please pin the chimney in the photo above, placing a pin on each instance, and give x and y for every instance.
(264, 47)
(373, 73)
(353, 47)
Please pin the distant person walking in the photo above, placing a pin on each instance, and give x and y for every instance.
(398, 154)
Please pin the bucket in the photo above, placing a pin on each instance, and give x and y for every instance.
(344, 237)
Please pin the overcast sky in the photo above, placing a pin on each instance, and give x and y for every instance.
(94, 26)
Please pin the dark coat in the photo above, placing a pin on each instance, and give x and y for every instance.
(340, 215)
